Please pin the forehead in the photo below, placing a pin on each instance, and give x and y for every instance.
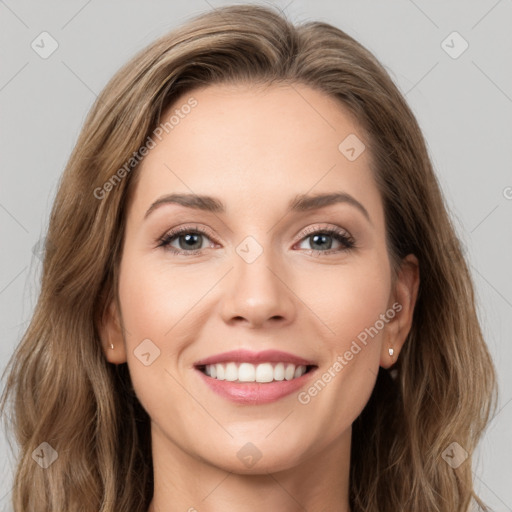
(255, 145)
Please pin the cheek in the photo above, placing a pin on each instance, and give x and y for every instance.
(152, 305)
(347, 299)
(362, 302)
(352, 354)
(152, 309)
(155, 298)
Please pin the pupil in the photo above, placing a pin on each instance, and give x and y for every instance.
(323, 237)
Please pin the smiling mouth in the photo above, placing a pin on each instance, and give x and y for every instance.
(265, 372)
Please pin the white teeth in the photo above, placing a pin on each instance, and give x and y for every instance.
(231, 372)
(289, 372)
(247, 372)
(264, 373)
(279, 371)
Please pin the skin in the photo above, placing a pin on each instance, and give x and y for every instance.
(255, 148)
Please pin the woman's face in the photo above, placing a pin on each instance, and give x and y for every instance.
(256, 272)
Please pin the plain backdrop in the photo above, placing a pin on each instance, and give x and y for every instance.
(461, 96)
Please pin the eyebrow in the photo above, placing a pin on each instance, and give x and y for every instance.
(299, 203)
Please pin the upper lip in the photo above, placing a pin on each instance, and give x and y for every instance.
(246, 356)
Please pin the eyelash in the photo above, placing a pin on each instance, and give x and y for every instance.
(347, 241)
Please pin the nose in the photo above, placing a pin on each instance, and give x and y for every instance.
(258, 293)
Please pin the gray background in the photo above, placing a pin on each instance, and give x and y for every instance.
(463, 105)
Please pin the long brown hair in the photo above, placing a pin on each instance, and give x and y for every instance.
(64, 392)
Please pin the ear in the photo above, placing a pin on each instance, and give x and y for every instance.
(111, 333)
(403, 300)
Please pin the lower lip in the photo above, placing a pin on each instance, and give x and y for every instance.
(255, 393)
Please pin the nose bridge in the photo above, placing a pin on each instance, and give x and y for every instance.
(257, 290)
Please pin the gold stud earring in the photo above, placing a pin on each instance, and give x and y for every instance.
(391, 352)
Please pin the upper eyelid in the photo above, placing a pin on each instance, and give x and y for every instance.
(327, 227)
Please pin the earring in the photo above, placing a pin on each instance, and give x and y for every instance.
(391, 352)
(112, 346)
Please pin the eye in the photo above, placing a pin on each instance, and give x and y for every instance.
(321, 240)
(190, 240)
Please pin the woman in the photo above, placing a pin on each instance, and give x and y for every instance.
(194, 346)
